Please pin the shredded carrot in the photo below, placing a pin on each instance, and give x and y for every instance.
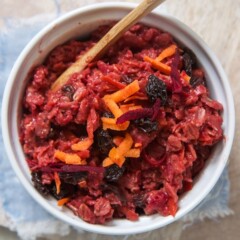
(117, 140)
(116, 157)
(68, 158)
(108, 120)
(126, 144)
(113, 82)
(110, 123)
(62, 201)
(117, 154)
(126, 92)
(82, 145)
(116, 127)
(135, 107)
(72, 159)
(125, 107)
(167, 52)
(112, 105)
(60, 155)
(185, 77)
(107, 162)
(134, 153)
(137, 145)
(57, 182)
(158, 65)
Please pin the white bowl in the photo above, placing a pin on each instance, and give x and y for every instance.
(81, 22)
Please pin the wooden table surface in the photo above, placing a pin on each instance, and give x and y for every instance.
(218, 23)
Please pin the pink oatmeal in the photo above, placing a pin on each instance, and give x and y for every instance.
(126, 136)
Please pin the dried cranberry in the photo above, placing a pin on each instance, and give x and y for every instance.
(37, 182)
(104, 141)
(156, 88)
(146, 125)
(114, 172)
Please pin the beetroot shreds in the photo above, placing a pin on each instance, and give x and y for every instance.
(141, 113)
(175, 75)
(135, 114)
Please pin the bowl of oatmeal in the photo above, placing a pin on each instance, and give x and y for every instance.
(134, 141)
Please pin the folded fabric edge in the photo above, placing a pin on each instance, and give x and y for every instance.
(32, 230)
(212, 213)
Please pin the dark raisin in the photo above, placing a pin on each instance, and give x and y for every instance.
(37, 182)
(72, 178)
(126, 78)
(139, 200)
(108, 115)
(197, 80)
(78, 130)
(104, 141)
(146, 125)
(189, 60)
(68, 90)
(114, 172)
(66, 190)
(53, 132)
(139, 210)
(156, 88)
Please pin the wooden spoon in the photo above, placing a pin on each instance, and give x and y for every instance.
(110, 37)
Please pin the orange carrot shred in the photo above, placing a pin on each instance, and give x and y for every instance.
(108, 120)
(57, 182)
(82, 145)
(68, 158)
(60, 155)
(185, 77)
(112, 105)
(158, 65)
(136, 145)
(73, 159)
(113, 82)
(62, 201)
(133, 153)
(135, 107)
(167, 52)
(126, 92)
(107, 162)
(116, 127)
(116, 154)
(127, 107)
(117, 140)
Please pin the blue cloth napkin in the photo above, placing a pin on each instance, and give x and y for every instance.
(18, 211)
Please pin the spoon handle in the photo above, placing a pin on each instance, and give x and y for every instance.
(107, 40)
